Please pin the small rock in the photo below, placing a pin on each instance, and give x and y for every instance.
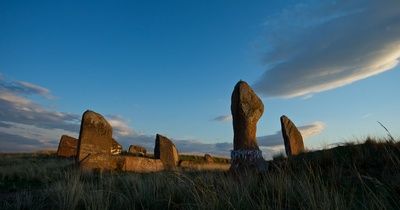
(116, 148)
(208, 158)
(137, 150)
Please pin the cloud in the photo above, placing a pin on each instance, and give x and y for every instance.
(318, 46)
(223, 118)
(306, 131)
(120, 126)
(16, 107)
(23, 88)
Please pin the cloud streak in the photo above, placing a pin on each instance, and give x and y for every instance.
(318, 48)
(223, 118)
(16, 107)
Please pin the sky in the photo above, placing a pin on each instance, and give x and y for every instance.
(169, 67)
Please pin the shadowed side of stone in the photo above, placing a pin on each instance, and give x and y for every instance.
(292, 137)
(137, 150)
(166, 151)
(67, 146)
(95, 141)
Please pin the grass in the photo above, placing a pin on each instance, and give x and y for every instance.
(359, 176)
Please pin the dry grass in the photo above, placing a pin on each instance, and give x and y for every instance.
(363, 176)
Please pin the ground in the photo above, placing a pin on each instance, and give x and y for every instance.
(359, 176)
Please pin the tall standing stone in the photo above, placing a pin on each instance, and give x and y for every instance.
(95, 137)
(292, 137)
(246, 108)
(67, 146)
(166, 151)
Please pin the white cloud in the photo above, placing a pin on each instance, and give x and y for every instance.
(318, 46)
(120, 126)
(223, 118)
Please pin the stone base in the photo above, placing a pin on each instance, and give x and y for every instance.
(242, 160)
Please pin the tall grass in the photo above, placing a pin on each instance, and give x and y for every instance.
(365, 176)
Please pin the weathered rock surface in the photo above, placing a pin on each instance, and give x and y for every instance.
(292, 137)
(137, 150)
(102, 162)
(142, 164)
(67, 146)
(246, 108)
(166, 151)
(208, 158)
(95, 138)
(116, 148)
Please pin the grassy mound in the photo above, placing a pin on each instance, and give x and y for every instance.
(363, 176)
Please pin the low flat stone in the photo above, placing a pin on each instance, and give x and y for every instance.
(102, 162)
(67, 146)
(142, 164)
(292, 137)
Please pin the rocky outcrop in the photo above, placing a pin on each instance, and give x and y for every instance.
(166, 151)
(67, 146)
(95, 141)
(137, 150)
(246, 108)
(292, 137)
(116, 148)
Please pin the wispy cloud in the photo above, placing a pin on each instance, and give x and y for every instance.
(223, 118)
(16, 107)
(318, 45)
(120, 126)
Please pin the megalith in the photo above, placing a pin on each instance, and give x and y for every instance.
(247, 108)
(166, 151)
(95, 142)
(116, 148)
(291, 137)
(67, 146)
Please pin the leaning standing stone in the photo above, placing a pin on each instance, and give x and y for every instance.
(292, 137)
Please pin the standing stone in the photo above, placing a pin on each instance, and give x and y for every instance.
(67, 146)
(246, 108)
(95, 138)
(137, 150)
(166, 151)
(292, 137)
(116, 148)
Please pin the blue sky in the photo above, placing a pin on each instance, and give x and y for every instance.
(169, 67)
